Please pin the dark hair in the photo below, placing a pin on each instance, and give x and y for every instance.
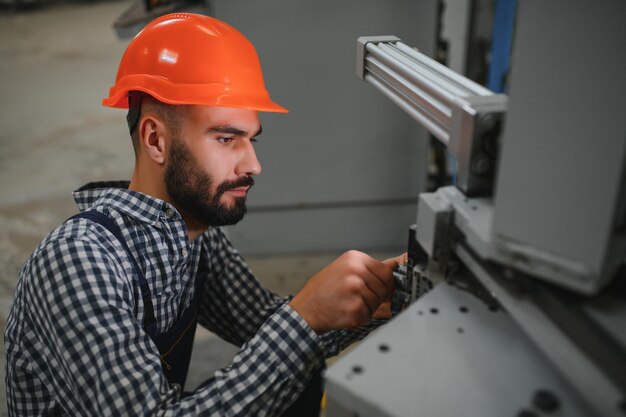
(141, 103)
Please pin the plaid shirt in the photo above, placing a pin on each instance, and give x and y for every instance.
(74, 341)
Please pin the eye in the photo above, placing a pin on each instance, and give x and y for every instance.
(225, 140)
(254, 140)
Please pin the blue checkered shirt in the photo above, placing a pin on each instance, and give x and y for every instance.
(74, 340)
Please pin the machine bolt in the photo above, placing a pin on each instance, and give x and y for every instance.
(487, 121)
(546, 401)
(526, 413)
(481, 165)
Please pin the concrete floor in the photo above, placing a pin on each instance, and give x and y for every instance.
(57, 62)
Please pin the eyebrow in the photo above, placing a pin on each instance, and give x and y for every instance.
(234, 131)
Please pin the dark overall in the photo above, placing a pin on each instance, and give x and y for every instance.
(175, 345)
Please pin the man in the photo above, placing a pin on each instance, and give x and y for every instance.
(106, 307)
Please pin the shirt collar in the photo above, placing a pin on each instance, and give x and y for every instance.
(116, 194)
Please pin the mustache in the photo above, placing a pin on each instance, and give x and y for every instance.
(230, 185)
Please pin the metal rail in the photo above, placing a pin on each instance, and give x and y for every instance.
(425, 89)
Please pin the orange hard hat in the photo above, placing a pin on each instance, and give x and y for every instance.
(186, 58)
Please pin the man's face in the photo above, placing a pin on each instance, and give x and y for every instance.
(211, 164)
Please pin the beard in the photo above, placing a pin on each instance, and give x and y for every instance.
(189, 186)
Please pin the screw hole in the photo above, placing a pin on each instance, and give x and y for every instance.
(357, 369)
(384, 348)
(546, 401)
(493, 308)
(463, 309)
(460, 330)
(526, 413)
(434, 310)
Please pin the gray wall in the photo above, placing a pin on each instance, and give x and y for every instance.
(343, 148)
(563, 149)
(343, 168)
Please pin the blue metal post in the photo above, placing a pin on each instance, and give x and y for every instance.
(502, 38)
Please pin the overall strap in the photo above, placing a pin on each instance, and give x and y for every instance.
(109, 224)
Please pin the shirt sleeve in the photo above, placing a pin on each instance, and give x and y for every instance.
(233, 303)
(76, 311)
(336, 341)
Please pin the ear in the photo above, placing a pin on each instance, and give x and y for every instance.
(152, 139)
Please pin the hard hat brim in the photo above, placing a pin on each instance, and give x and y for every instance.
(221, 95)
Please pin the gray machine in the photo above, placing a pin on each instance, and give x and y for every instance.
(527, 249)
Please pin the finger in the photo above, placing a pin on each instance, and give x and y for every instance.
(383, 272)
(397, 261)
(371, 300)
(375, 285)
(383, 311)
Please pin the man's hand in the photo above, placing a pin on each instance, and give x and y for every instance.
(346, 293)
(384, 310)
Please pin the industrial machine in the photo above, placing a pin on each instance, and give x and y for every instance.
(513, 302)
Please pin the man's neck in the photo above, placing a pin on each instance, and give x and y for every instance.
(194, 231)
(145, 183)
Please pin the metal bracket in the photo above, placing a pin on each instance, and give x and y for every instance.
(475, 129)
(463, 115)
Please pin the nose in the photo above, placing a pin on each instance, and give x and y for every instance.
(249, 163)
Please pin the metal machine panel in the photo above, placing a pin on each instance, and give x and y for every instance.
(448, 354)
(564, 144)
